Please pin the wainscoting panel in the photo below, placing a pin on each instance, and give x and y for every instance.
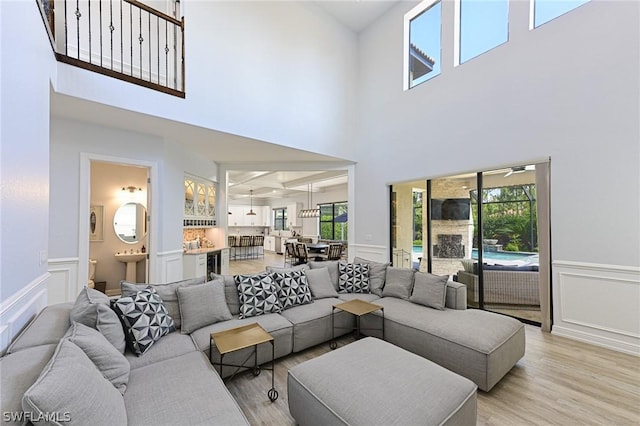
(598, 304)
(369, 252)
(169, 266)
(19, 309)
(62, 286)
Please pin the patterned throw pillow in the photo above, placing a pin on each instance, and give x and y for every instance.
(258, 295)
(293, 288)
(354, 278)
(144, 318)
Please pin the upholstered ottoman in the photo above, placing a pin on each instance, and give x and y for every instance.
(372, 382)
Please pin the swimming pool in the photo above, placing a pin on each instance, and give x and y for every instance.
(512, 256)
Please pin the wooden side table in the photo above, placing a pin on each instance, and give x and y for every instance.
(358, 308)
(243, 337)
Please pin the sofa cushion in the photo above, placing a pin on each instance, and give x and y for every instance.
(377, 274)
(320, 283)
(258, 295)
(47, 327)
(370, 297)
(293, 288)
(92, 308)
(301, 267)
(145, 319)
(332, 266)
(399, 283)
(202, 304)
(72, 387)
(184, 390)
(18, 371)
(172, 345)
(167, 293)
(111, 363)
(354, 278)
(429, 290)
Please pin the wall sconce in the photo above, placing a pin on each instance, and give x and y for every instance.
(131, 189)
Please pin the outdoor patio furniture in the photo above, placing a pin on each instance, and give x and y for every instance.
(503, 287)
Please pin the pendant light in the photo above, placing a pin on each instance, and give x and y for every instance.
(306, 213)
(251, 212)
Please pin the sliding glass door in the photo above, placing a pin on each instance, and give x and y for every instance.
(483, 230)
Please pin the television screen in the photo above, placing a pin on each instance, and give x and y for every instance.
(450, 209)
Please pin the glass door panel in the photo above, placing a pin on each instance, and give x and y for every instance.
(509, 243)
(408, 224)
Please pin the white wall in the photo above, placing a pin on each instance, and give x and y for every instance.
(70, 139)
(566, 90)
(24, 164)
(283, 72)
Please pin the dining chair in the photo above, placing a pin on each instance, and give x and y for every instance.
(302, 253)
(334, 252)
(290, 256)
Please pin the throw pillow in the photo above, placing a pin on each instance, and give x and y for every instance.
(354, 278)
(320, 283)
(167, 293)
(145, 319)
(334, 270)
(71, 386)
(398, 283)
(202, 304)
(258, 295)
(92, 309)
(377, 274)
(111, 363)
(230, 292)
(430, 290)
(293, 288)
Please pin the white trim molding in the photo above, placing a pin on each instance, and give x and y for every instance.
(61, 287)
(169, 265)
(371, 252)
(22, 307)
(598, 304)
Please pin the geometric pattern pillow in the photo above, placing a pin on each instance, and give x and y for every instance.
(293, 288)
(258, 295)
(144, 318)
(354, 278)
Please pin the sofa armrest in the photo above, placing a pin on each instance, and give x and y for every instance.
(456, 296)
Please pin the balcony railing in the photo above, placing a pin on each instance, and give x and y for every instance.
(124, 39)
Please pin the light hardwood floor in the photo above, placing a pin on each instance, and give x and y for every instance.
(558, 382)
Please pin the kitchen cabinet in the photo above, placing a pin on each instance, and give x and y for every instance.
(270, 243)
(292, 215)
(199, 203)
(239, 217)
(194, 265)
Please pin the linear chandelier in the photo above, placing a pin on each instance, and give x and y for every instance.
(309, 213)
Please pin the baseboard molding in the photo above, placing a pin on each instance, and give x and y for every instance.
(597, 304)
(22, 307)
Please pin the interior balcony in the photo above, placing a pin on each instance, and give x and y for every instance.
(123, 39)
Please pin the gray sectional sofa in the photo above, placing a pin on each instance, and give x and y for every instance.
(49, 368)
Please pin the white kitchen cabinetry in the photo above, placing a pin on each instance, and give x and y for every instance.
(270, 243)
(199, 202)
(224, 261)
(194, 265)
(292, 215)
(239, 217)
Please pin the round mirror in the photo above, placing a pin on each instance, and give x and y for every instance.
(130, 222)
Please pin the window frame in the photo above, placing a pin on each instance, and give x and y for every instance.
(333, 217)
(284, 226)
(422, 7)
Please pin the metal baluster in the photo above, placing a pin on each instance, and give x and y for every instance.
(89, 6)
(100, 4)
(66, 38)
(140, 39)
(166, 54)
(121, 41)
(111, 28)
(131, 35)
(158, 31)
(149, 34)
(78, 15)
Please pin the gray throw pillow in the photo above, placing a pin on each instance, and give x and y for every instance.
(111, 363)
(202, 304)
(71, 386)
(230, 292)
(167, 293)
(320, 283)
(398, 283)
(377, 274)
(302, 267)
(334, 270)
(430, 290)
(92, 308)
(467, 265)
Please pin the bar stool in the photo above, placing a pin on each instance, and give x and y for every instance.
(245, 245)
(233, 248)
(258, 243)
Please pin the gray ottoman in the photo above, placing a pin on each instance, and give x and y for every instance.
(372, 382)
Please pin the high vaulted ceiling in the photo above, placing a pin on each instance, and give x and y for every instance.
(356, 14)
